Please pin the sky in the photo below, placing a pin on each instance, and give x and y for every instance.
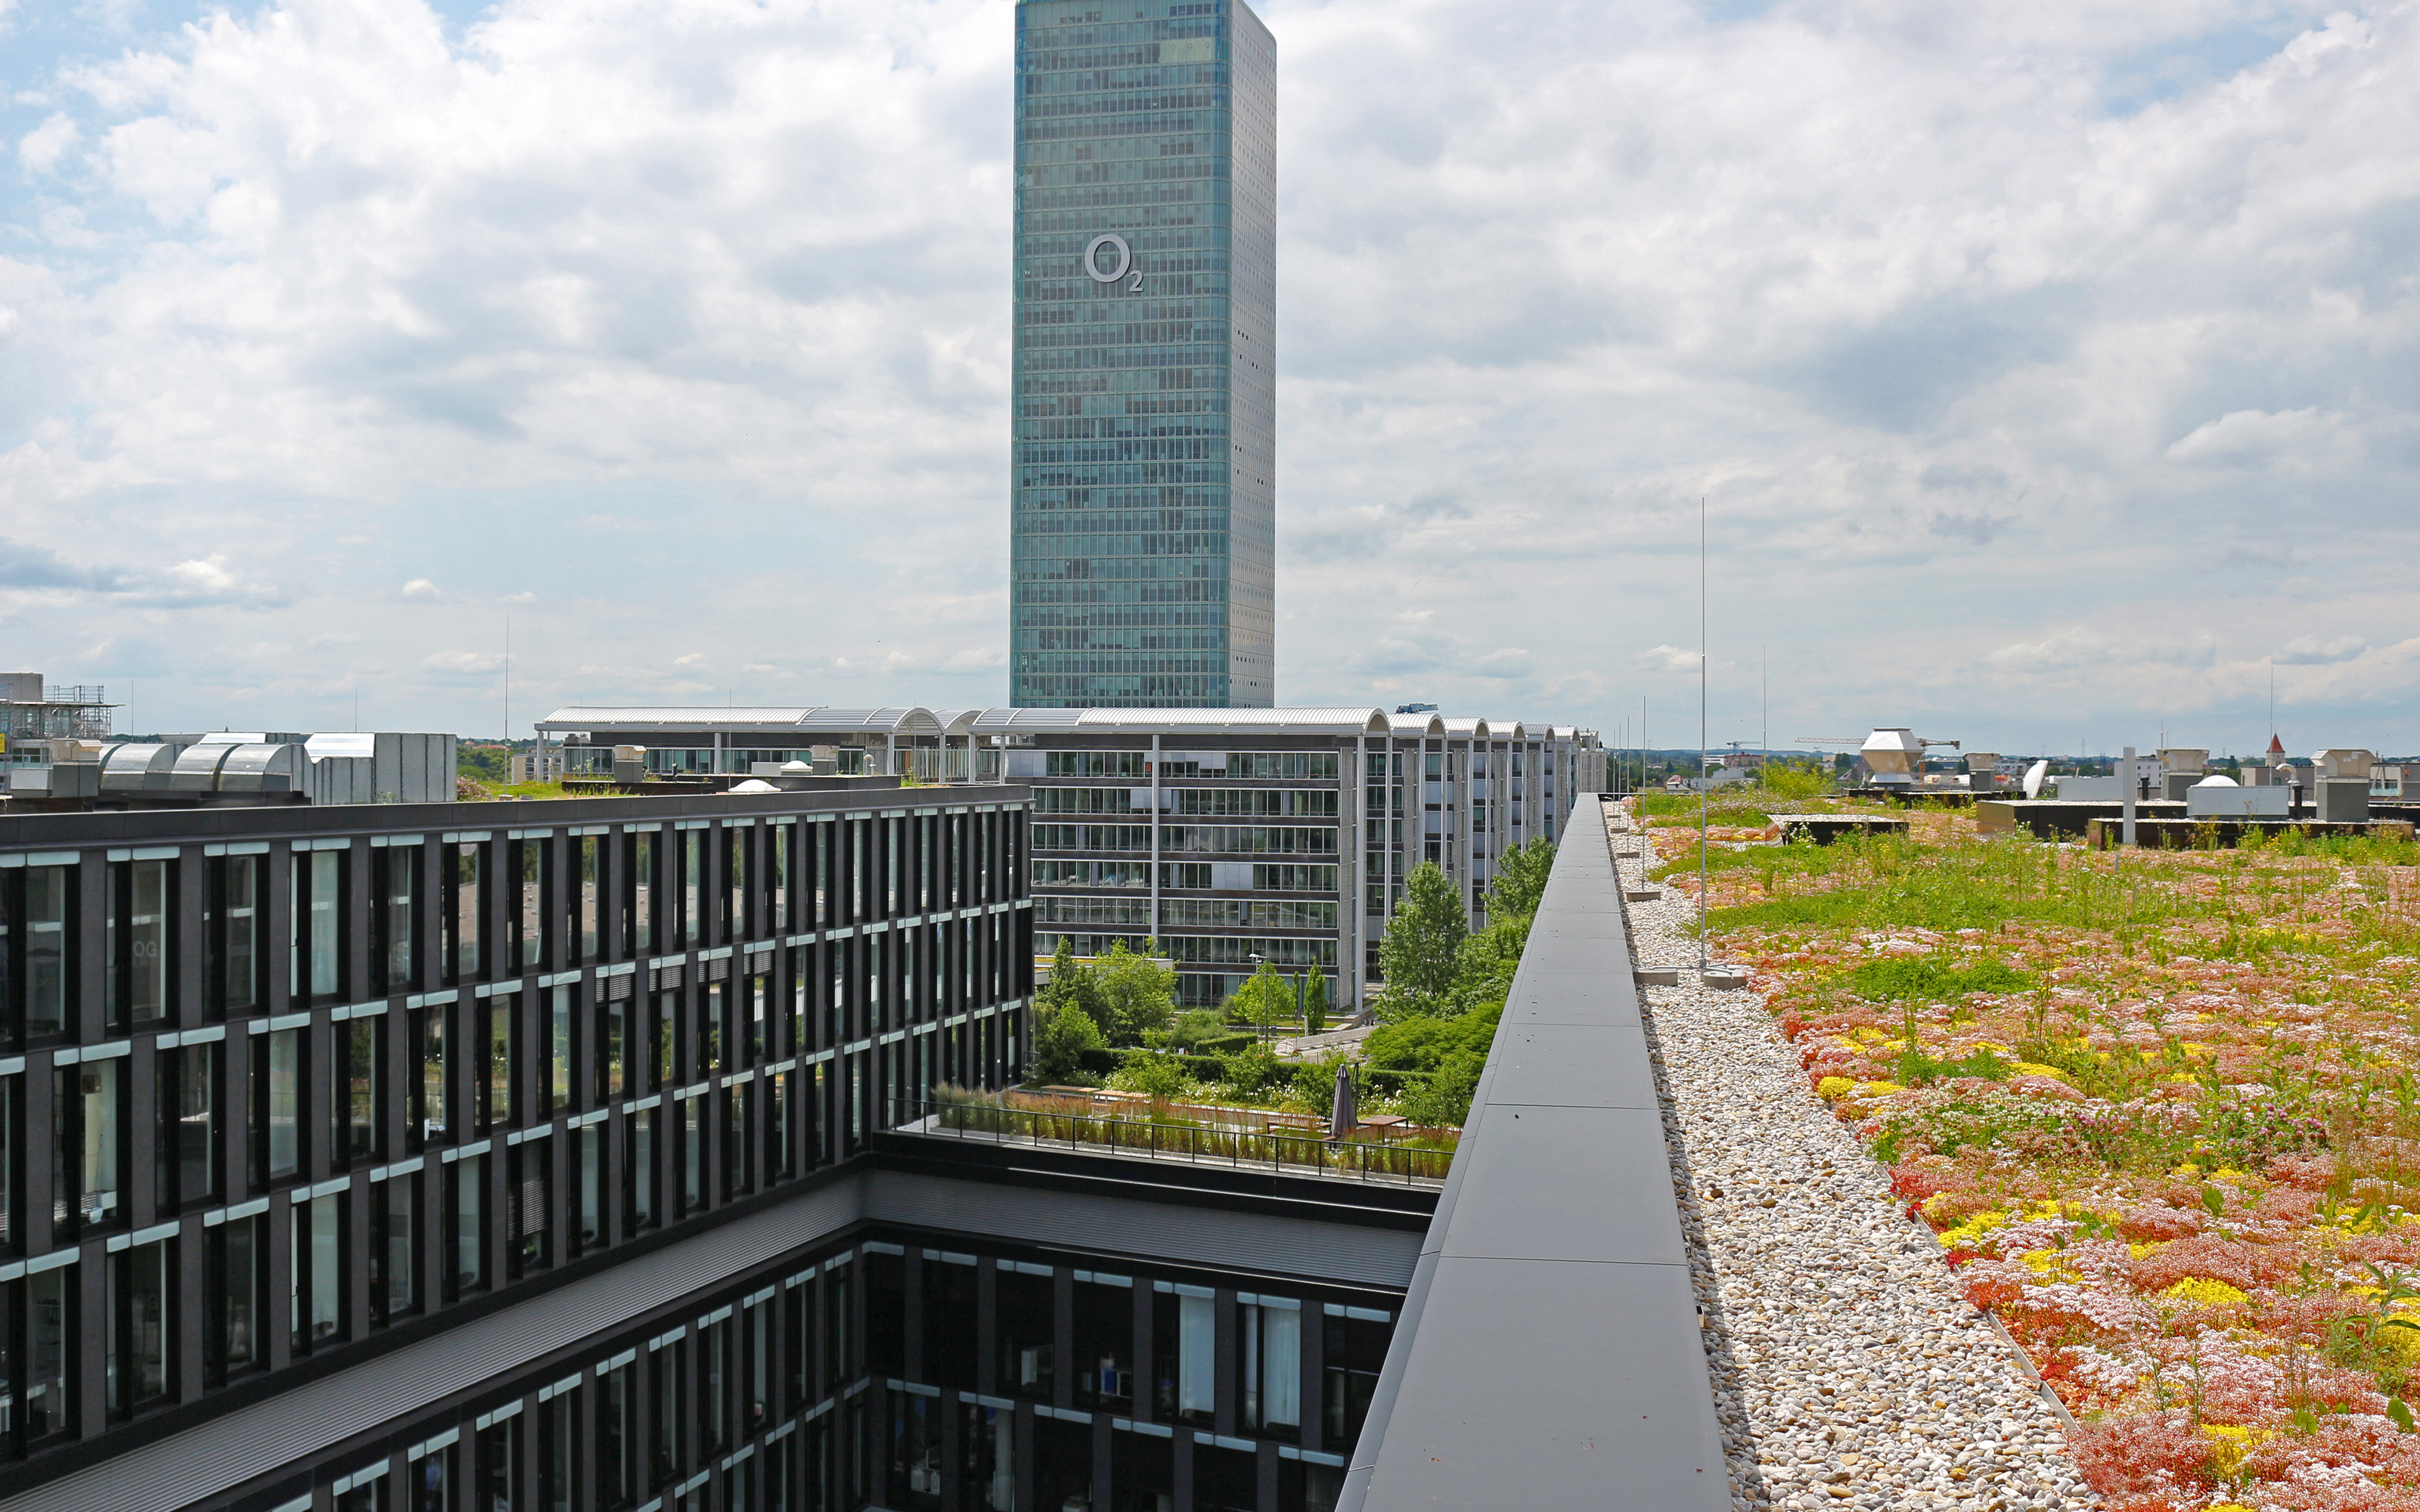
(2045, 376)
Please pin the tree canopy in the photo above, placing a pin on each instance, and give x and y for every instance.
(1418, 955)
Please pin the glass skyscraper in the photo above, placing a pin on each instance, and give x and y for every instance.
(1143, 502)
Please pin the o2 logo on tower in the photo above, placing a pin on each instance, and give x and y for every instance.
(1109, 260)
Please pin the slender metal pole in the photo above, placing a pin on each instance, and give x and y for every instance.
(2126, 796)
(1703, 792)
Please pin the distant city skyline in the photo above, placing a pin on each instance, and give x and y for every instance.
(2047, 372)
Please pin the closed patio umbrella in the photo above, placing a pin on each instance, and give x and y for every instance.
(1341, 1119)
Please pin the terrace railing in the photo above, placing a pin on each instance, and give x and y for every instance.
(1075, 1126)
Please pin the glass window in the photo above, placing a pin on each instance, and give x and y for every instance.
(497, 1468)
(915, 1450)
(735, 855)
(465, 893)
(395, 917)
(667, 1015)
(231, 934)
(950, 1326)
(756, 1333)
(779, 1165)
(592, 1185)
(51, 1316)
(87, 1154)
(186, 1154)
(529, 910)
(137, 940)
(355, 1046)
(276, 1105)
(988, 1436)
(559, 1051)
(712, 1019)
(885, 1285)
(394, 1248)
(48, 898)
(429, 1482)
(840, 1320)
(140, 1333)
(428, 1088)
(739, 1133)
(316, 1277)
(13, 1145)
(714, 1387)
(1027, 1364)
(692, 1153)
(531, 1167)
(608, 1052)
(664, 1400)
(588, 884)
(1184, 1373)
(1306, 1486)
(641, 1161)
(557, 1468)
(467, 1216)
(1270, 1360)
(760, 989)
(692, 885)
(1353, 1350)
(315, 950)
(1062, 1465)
(1105, 1329)
(785, 843)
(615, 1451)
(496, 1049)
(1143, 1473)
(237, 1285)
(1225, 1480)
(639, 928)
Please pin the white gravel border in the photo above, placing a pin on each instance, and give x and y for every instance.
(1847, 1370)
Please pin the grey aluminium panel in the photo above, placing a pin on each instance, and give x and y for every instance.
(1215, 1237)
(1549, 1353)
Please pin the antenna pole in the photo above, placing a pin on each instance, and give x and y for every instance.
(1704, 793)
(509, 694)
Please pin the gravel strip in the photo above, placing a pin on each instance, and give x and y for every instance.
(1848, 1372)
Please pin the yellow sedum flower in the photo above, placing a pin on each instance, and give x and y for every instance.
(1832, 1088)
(2035, 1068)
(2203, 1292)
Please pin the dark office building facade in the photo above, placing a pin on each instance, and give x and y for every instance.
(1143, 495)
(568, 1155)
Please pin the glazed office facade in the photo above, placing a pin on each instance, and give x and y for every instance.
(1143, 494)
(282, 1082)
(1289, 844)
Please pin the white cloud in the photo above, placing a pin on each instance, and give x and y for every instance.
(2010, 346)
(42, 149)
(464, 661)
(2311, 650)
(1666, 659)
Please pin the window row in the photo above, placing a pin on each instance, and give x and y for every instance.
(407, 912)
(911, 1378)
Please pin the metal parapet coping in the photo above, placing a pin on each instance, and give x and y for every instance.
(1549, 1353)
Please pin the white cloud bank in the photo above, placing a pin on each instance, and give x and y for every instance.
(2047, 369)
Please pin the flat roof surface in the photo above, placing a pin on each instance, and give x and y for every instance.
(1550, 1355)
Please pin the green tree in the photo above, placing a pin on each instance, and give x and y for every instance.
(1418, 956)
(1314, 1004)
(1061, 1033)
(1073, 984)
(1254, 1069)
(1520, 882)
(1265, 997)
(1445, 1097)
(1137, 993)
(1153, 1072)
